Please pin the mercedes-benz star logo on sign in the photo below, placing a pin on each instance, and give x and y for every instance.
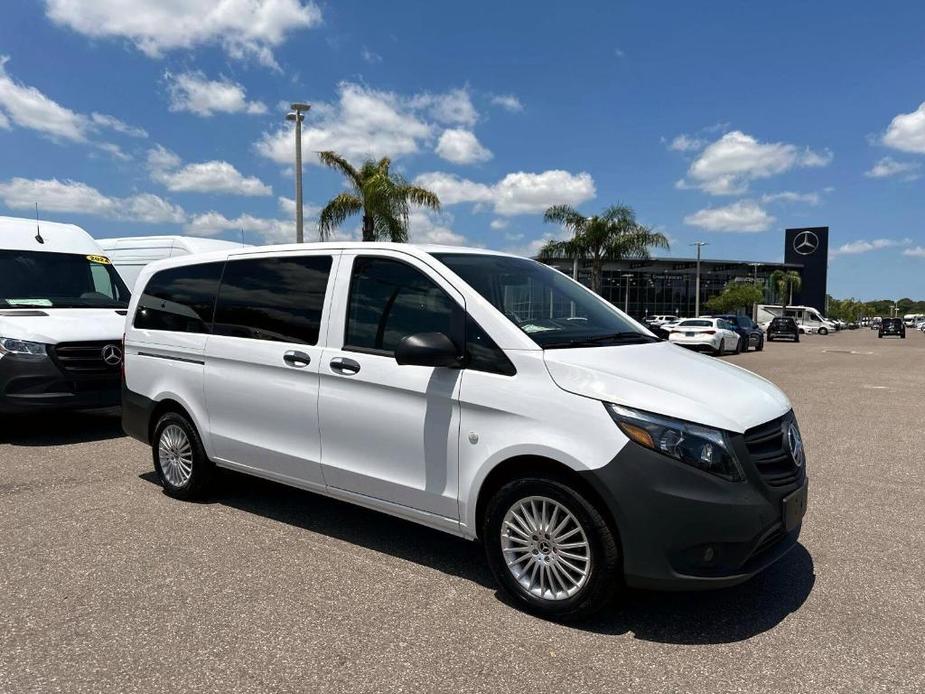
(795, 442)
(112, 355)
(805, 243)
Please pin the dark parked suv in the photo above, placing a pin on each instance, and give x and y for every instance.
(751, 332)
(783, 328)
(892, 326)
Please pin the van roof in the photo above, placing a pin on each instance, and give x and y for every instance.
(192, 244)
(18, 233)
(413, 248)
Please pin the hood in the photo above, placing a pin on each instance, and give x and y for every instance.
(54, 325)
(669, 380)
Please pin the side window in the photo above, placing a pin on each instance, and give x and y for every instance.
(277, 299)
(102, 282)
(390, 300)
(180, 299)
(483, 354)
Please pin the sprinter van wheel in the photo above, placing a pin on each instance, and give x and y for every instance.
(179, 458)
(550, 549)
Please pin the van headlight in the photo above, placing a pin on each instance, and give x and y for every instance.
(701, 447)
(10, 345)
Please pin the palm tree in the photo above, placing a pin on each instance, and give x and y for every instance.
(784, 282)
(384, 198)
(611, 235)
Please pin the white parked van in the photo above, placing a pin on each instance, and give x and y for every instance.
(483, 394)
(62, 312)
(808, 318)
(130, 254)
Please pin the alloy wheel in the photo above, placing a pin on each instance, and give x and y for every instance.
(175, 455)
(545, 548)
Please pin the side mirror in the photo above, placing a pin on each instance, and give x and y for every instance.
(427, 349)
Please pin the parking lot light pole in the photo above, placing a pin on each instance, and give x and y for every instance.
(298, 115)
(626, 297)
(755, 305)
(699, 244)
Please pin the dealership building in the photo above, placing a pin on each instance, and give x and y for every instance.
(668, 285)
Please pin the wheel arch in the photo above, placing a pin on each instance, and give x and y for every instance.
(171, 404)
(522, 466)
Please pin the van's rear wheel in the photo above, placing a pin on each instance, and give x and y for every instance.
(180, 460)
(551, 549)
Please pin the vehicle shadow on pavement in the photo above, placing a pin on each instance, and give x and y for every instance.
(721, 616)
(60, 428)
(350, 523)
(716, 616)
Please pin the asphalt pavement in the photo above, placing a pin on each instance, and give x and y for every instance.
(107, 585)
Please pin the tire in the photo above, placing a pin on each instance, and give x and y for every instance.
(823, 331)
(721, 349)
(880, 336)
(760, 346)
(586, 594)
(186, 472)
(741, 346)
(797, 338)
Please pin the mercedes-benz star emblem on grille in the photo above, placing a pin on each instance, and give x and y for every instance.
(805, 243)
(112, 355)
(795, 443)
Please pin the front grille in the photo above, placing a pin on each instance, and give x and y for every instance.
(84, 358)
(769, 451)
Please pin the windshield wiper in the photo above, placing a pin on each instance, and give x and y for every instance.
(628, 336)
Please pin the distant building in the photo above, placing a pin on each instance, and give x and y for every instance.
(667, 285)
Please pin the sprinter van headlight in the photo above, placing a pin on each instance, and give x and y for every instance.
(702, 447)
(10, 345)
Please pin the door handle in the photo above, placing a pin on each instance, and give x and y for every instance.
(345, 366)
(297, 359)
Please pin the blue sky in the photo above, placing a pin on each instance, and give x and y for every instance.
(724, 121)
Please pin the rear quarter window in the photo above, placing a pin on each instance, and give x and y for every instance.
(180, 299)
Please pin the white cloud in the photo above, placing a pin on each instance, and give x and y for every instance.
(244, 28)
(686, 143)
(863, 246)
(453, 107)
(204, 177)
(508, 102)
(498, 224)
(906, 131)
(428, 227)
(516, 193)
(744, 215)
(370, 57)
(364, 123)
(270, 230)
(916, 252)
(79, 198)
(790, 196)
(452, 189)
(728, 165)
(195, 93)
(27, 107)
(461, 147)
(888, 167)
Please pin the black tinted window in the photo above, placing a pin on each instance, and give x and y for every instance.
(273, 298)
(180, 299)
(390, 300)
(483, 354)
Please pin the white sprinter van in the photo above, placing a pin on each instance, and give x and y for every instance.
(129, 254)
(479, 393)
(62, 313)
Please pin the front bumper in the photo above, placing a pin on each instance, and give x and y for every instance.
(683, 529)
(34, 385)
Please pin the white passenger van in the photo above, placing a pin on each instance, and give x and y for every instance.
(131, 253)
(479, 393)
(62, 312)
(807, 317)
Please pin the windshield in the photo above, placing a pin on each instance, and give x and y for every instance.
(550, 308)
(59, 280)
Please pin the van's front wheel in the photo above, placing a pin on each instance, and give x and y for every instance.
(551, 549)
(180, 460)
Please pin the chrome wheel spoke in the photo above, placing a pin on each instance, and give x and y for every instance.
(533, 535)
